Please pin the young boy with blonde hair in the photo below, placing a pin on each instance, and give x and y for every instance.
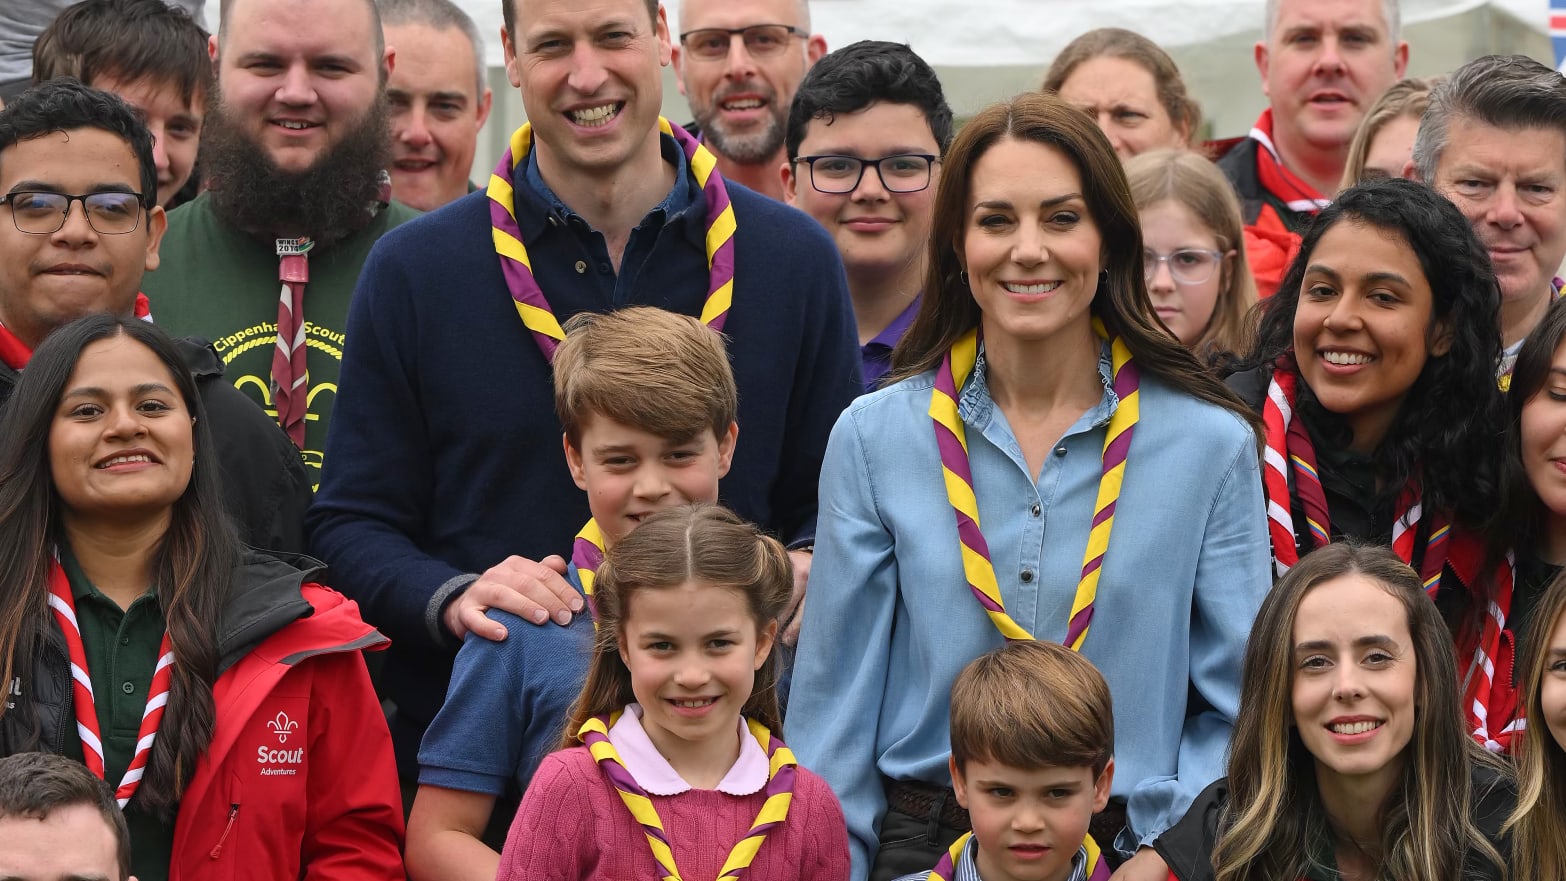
(647, 401)
(1033, 738)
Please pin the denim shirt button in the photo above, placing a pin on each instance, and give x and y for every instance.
(1036, 510)
(1027, 576)
(1060, 450)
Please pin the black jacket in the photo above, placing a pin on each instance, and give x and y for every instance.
(265, 486)
(1188, 845)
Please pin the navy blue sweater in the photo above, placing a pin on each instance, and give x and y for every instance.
(444, 453)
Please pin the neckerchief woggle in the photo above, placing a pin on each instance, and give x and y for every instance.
(779, 791)
(63, 605)
(1290, 471)
(1095, 869)
(587, 554)
(951, 439)
(517, 266)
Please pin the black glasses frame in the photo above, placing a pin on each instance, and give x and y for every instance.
(930, 161)
(9, 198)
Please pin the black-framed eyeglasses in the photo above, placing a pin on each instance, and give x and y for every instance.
(761, 40)
(903, 173)
(1187, 265)
(44, 213)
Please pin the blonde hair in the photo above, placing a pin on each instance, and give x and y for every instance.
(1538, 825)
(1275, 812)
(1406, 97)
(664, 373)
(706, 544)
(1193, 182)
(1030, 704)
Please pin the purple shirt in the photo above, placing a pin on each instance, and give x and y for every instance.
(876, 356)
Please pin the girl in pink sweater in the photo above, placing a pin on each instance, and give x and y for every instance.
(671, 765)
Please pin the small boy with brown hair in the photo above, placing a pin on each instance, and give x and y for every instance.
(1033, 738)
(647, 401)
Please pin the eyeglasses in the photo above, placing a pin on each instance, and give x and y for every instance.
(1187, 265)
(903, 173)
(43, 214)
(761, 40)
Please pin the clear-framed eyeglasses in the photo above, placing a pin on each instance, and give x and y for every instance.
(44, 213)
(761, 40)
(903, 173)
(1187, 265)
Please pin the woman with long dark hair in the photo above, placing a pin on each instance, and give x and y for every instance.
(219, 692)
(1350, 758)
(1049, 463)
(1374, 373)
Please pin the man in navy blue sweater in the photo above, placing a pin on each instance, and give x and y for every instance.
(446, 491)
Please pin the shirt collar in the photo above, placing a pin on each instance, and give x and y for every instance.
(975, 406)
(675, 203)
(652, 771)
(893, 332)
(967, 868)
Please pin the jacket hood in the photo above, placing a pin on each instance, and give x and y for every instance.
(265, 596)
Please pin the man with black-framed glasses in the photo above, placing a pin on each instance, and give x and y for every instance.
(738, 63)
(864, 141)
(79, 226)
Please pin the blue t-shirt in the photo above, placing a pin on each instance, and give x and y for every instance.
(506, 706)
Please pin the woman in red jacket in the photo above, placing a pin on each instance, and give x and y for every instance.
(219, 692)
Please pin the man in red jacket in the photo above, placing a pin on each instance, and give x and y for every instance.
(1322, 64)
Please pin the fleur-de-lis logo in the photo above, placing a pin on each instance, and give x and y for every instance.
(283, 726)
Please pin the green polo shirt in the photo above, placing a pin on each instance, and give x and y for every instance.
(122, 651)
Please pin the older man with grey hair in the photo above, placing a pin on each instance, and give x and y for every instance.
(439, 99)
(1323, 63)
(1493, 141)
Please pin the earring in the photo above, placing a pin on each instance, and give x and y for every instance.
(1103, 278)
(963, 274)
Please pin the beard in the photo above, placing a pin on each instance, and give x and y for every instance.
(328, 201)
(754, 147)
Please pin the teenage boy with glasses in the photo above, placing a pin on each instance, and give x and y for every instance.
(872, 105)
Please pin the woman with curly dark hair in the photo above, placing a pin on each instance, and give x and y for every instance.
(1374, 370)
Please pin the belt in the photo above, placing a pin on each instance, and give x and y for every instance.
(925, 801)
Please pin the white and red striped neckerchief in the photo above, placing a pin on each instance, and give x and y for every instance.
(63, 604)
(1276, 178)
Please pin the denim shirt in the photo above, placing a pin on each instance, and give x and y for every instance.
(891, 621)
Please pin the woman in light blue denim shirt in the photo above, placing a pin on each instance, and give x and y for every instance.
(1035, 236)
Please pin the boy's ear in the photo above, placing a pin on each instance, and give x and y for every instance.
(574, 462)
(1101, 786)
(959, 785)
(726, 445)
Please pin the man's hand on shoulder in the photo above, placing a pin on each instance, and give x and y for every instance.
(533, 591)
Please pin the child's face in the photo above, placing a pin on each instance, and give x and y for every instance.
(1029, 822)
(693, 652)
(630, 474)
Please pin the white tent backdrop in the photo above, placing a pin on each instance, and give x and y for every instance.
(991, 49)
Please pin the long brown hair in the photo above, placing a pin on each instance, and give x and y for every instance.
(192, 564)
(1275, 813)
(948, 309)
(1197, 185)
(708, 544)
(1538, 825)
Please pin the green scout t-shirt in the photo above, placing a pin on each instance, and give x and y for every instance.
(219, 284)
(122, 653)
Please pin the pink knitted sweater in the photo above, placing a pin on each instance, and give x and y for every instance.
(572, 826)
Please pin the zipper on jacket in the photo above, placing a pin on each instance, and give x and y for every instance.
(233, 812)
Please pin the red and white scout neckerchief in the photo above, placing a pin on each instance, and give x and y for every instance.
(951, 438)
(587, 554)
(517, 266)
(1488, 702)
(15, 354)
(1095, 869)
(290, 372)
(64, 607)
(774, 811)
